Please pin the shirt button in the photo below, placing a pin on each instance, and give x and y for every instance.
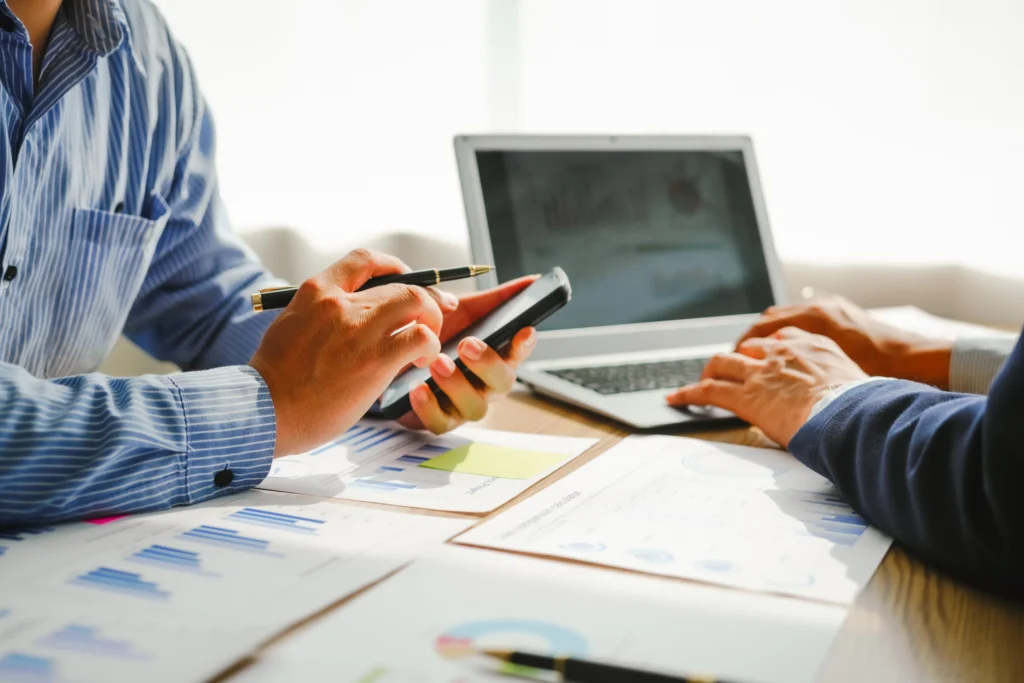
(223, 478)
(10, 273)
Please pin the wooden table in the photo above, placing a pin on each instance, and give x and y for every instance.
(909, 624)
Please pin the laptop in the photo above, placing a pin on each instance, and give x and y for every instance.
(664, 239)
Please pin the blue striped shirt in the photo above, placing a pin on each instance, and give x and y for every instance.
(111, 223)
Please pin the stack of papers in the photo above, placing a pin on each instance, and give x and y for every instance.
(426, 624)
(750, 518)
(182, 594)
(469, 470)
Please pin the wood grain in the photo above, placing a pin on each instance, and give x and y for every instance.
(910, 624)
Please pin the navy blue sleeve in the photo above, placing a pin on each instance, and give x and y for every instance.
(940, 472)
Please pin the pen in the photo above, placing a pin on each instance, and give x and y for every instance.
(279, 297)
(583, 671)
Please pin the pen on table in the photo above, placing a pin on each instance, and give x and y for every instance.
(583, 671)
(279, 297)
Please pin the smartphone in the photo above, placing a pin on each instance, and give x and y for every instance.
(528, 308)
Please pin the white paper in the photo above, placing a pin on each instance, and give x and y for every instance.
(209, 581)
(914, 319)
(752, 518)
(422, 625)
(378, 461)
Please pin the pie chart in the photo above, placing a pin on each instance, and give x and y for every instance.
(466, 639)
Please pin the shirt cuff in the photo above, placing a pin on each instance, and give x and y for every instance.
(976, 361)
(837, 391)
(230, 430)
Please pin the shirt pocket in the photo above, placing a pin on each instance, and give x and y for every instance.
(108, 257)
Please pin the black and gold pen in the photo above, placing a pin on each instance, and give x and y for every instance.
(582, 671)
(279, 297)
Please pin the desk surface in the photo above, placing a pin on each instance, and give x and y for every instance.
(910, 623)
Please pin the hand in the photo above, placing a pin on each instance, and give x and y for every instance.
(465, 400)
(878, 348)
(773, 382)
(333, 350)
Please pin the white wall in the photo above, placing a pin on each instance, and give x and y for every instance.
(337, 116)
(888, 131)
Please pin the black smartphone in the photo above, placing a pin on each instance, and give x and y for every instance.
(529, 307)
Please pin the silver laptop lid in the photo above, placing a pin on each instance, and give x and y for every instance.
(665, 239)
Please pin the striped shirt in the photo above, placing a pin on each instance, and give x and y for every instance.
(111, 223)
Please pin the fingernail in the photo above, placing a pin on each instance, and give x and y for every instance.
(450, 300)
(417, 396)
(531, 338)
(473, 348)
(443, 366)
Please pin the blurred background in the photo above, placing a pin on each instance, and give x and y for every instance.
(889, 135)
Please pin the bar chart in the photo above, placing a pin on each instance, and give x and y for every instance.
(832, 518)
(167, 557)
(419, 455)
(22, 668)
(422, 454)
(228, 538)
(121, 582)
(78, 638)
(276, 520)
(20, 533)
(362, 438)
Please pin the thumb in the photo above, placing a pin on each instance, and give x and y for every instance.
(472, 307)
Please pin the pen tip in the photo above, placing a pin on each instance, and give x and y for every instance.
(497, 654)
(480, 270)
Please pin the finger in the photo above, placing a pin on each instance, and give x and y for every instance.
(522, 346)
(766, 326)
(429, 411)
(472, 307)
(757, 348)
(446, 301)
(352, 272)
(708, 392)
(790, 333)
(395, 306)
(412, 344)
(732, 367)
(485, 363)
(469, 402)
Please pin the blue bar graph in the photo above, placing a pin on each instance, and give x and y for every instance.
(167, 557)
(276, 520)
(841, 529)
(381, 485)
(3, 549)
(385, 435)
(116, 581)
(78, 638)
(20, 533)
(829, 516)
(390, 469)
(228, 538)
(27, 669)
(366, 439)
(412, 459)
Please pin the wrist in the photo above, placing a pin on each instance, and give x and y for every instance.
(925, 361)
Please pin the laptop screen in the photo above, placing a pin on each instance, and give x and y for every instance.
(644, 236)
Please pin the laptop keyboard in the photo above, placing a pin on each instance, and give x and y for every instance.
(623, 379)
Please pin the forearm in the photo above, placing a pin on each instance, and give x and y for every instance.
(91, 445)
(931, 469)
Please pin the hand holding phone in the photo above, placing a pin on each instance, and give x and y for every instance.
(528, 308)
